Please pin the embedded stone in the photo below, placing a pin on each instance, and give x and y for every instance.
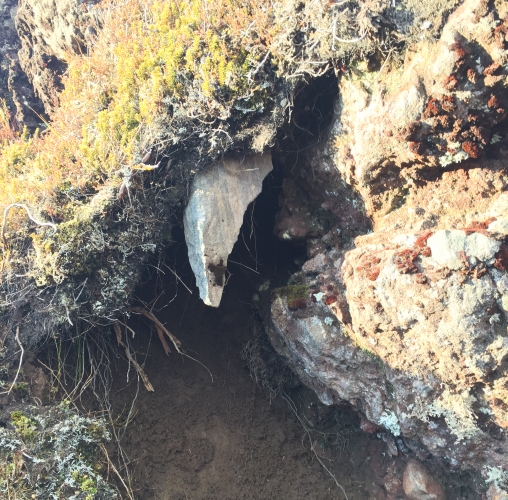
(499, 228)
(419, 484)
(448, 248)
(445, 246)
(481, 247)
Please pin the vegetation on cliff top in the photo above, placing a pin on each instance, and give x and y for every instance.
(165, 89)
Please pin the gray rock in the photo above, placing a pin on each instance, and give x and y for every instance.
(214, 216)
(481, 247)
(499, 228)
(445, 247)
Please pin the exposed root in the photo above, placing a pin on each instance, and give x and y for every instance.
(115, 470)
(20, 361)
(159, 325)
(162, 329)
(165, 346)
(30, 216)
(292, 406)
(136, 365)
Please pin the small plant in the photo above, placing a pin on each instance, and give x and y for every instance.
(26, 428)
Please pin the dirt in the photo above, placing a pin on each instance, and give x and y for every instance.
(197, 439)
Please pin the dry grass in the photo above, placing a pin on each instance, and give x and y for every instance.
(159, 74)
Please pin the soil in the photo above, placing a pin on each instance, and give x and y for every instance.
(194, 439)
(197, 439)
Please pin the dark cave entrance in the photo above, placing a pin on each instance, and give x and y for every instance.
(208, 431)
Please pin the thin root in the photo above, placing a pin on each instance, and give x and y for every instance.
(150, 316)
(162, 329)
(136, 365)
(20, 361)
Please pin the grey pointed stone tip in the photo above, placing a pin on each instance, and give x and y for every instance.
(214, 215)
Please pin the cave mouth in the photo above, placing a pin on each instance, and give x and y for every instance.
(208, 431)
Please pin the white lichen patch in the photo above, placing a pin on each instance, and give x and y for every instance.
(456, 409)
(497, 476)
(389, 420)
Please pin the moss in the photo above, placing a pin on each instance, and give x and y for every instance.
(296, 295)
(26, 428)
(374, 357)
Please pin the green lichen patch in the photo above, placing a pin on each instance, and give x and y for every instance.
(25, 427)
(296, 296)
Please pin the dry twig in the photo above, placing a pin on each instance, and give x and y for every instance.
(136, 365)
(151, 317)
(161, 328)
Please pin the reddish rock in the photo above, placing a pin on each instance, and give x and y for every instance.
(393, 486)
(368, 426)
(496, 493)
(419, 484)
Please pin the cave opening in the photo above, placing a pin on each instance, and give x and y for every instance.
(208, 430)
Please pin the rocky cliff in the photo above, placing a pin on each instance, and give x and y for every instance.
(401, 309)
(408, 321)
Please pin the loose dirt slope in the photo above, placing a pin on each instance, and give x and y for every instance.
(195, 439)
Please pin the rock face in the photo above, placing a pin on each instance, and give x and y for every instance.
(439, 110)
(408, 321)
(48, 30)
(15, 88)
(496, 493)
(214, 215)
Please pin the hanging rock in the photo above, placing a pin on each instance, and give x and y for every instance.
(214, 215)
